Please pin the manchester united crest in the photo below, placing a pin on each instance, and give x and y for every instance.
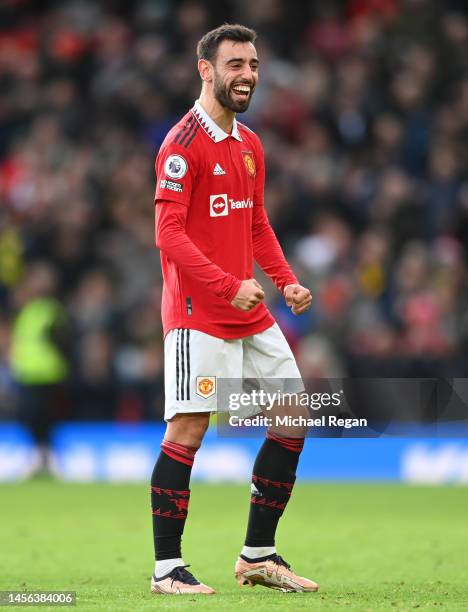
(206, 386)
(249, 162)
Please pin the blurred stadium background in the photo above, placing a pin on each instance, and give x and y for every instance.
(362, 107)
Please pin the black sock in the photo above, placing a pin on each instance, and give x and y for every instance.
(273, 478)
(170, 496)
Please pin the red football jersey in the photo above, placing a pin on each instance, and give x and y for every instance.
(210, 224)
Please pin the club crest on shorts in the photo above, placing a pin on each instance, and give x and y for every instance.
(249, 162)
(206, 386)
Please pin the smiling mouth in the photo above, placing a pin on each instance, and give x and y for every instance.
(241, 90)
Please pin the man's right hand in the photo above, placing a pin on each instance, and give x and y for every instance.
(249, 295)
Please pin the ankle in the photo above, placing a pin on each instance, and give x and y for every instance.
(165, 566)
(257, 552)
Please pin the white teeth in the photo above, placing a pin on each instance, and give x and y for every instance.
(242, 89)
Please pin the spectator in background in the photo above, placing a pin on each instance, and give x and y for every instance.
(39, 352)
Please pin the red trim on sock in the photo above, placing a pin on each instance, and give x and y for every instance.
(261, 501)
(178, 452)
(178, 458)
(170, 492)
(272, 483)
(179, 447)
(169, 514)
(294, 445)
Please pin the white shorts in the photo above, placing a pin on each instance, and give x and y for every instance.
(195, 361)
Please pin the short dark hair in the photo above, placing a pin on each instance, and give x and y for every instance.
(208, 46)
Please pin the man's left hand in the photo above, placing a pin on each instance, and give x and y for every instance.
(298, 298)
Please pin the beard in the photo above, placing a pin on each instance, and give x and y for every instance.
(222, 93)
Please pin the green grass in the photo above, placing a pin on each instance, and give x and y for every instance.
(371, 547)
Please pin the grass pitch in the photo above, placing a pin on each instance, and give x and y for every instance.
(371, 547)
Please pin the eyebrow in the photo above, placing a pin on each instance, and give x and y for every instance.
(241, 59)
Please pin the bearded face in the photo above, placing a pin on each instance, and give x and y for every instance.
(233, 94)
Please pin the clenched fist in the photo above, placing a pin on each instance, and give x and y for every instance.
(298, 298)
(249, 295)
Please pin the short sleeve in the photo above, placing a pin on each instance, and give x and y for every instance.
(175, 174)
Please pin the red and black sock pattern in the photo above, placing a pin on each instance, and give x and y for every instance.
(170, 495)
(170, 503)
(273, 478)
(292, 444)
(270, 493)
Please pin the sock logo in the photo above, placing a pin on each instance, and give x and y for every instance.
(162, 500)
(181, 503)
(254, 490)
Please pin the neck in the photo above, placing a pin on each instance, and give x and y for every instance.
(221, 115)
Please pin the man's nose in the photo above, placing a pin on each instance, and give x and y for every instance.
(247, 74)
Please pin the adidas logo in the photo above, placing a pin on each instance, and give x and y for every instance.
(254, 490)
(217, 170)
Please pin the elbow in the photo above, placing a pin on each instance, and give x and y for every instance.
(169, 226)
(166, 239)
(161, 237)
(160, 241)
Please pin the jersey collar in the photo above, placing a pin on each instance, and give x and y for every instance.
(211, 128)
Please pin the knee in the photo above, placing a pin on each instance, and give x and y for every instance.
(188, 429)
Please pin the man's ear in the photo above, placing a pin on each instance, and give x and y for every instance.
(205, 68)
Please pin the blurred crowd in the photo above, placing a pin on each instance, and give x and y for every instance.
(362, 107)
